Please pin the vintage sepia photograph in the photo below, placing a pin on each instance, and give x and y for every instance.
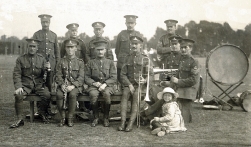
(125, 73)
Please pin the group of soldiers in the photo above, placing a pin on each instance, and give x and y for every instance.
(77, 68)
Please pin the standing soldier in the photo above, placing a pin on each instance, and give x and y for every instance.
(123, 48)
(101, 77)
(70, 78)
(28, 78)
(48, 47)
(81, 52)
(130, 78)
(98, 31)
(163, 45)
(186, 80)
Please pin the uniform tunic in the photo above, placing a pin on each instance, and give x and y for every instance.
(28, 72)
(188, 75)
(48, 45)
(123, 46)
(81, 52)
(73, 70)
(91, 48)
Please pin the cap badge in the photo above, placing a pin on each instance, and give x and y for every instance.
(44, 16)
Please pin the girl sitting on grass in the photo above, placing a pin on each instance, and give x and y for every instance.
(171, 120)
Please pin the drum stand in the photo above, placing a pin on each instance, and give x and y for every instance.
(226, 93)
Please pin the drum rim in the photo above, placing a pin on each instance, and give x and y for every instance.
(207, 60)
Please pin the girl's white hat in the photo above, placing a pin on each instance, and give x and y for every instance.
(169, 90)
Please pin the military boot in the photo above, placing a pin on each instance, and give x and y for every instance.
(132, 118)
(70, 122)
(106, 115)
(95, 114)
(62, 122)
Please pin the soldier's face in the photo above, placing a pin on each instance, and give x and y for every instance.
(175, 46)
(32, 49)
(135, 46)
(70, 50)
(100, 52)
(98, 32)
(185, 50)
(171, 29)
(73, 33)
(45, 24)
(130, 25)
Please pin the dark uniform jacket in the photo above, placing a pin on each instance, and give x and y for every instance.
(132, 69)
(28, 72)
(102, 71)
(73, 70)
(163, 45)
(81, 52)
(123, 45)
(188, 76)
(91, 48)
(48, 45)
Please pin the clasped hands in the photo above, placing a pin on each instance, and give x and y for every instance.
(67, 88)
(100, 86)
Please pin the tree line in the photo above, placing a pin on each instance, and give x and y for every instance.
(207, 35)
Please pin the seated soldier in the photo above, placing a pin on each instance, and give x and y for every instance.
(28, 78)
(130, 73)
(100, 76)
(70, 78)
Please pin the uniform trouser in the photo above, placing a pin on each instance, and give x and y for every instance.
(124, 102)
(154, 110)
(155, 125)
(71, 99)
(43, 105)
(106, 95)
(118, 74)
(185, 108)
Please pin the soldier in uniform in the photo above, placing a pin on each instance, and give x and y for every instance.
(48, 47)
(81, 52)
(70, 78)
(123, 48)
(28, 78)
(187, 80)
(163, 45)
(98, 31)
(171, 61)
(130, 73)
(100, 76)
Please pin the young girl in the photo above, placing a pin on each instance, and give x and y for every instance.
(171, 120)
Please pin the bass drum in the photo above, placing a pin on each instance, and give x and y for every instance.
(245, 100)
(227, 65)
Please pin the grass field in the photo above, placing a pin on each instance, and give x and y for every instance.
(209, 127)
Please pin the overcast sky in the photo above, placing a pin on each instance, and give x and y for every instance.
(20, 17)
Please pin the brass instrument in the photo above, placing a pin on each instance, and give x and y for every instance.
(65, 94)
(147, 99)
(46, 71)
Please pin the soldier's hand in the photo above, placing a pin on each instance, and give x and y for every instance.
(63, 87)
(19, 91)
(131, 88)
(156, 119)
(70, 88)
(142, 80)
(159, 57)
(96, 84)
(174, 80)
(165, 83)
(48, 66)
(102, 87)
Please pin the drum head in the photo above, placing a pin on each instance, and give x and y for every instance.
(227, 64)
